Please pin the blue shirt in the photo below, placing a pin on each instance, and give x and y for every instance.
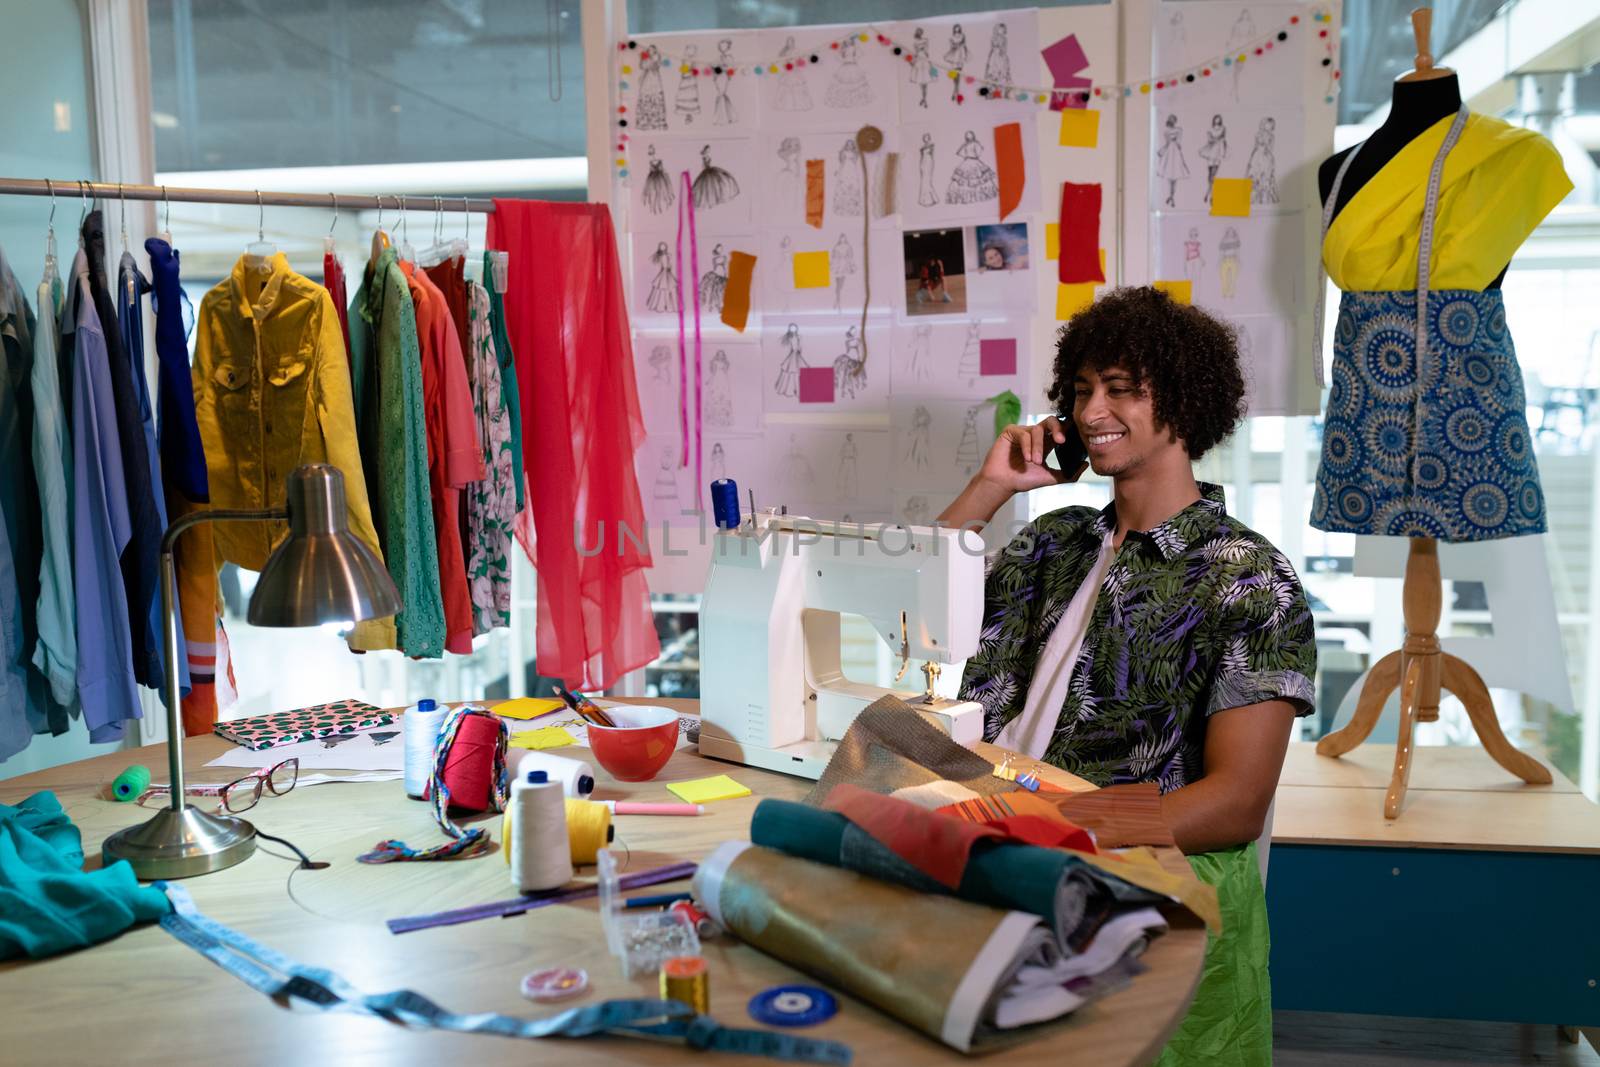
(56, 653)
(183, 457)
(102, 526)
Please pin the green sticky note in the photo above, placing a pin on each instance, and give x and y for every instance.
(705, 790)
(811, 270)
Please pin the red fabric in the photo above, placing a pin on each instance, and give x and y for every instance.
(582, 426)
(453, 456)
(1079, 259)
(333, 281)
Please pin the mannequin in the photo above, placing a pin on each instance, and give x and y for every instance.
(1399, 483)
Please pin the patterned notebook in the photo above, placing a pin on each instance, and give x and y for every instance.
(303, 724)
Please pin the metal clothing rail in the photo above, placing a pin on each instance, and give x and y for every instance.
(248, 197)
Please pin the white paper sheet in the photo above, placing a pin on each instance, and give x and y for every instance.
(674, 86)
(949, 172)
(793, 357)
(1259, 143)
(944, 359)
(1188, 34)
(666, 486)
(781, 166)
(655, 370)
(848, 264)
(938, 445)
(722, 174)
(850, 83)
(830, 473)
(994, 49)
(731, 399)
(1268, 362)
(1238, 266)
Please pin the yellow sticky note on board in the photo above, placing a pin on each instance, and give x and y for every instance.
(1080, 128)
(705, 790)
(1071, 299)
(527, 707)
(1179, 291)
(811, 270)
(1103, 262)
(547, 737)
(1230, 196)
(1052, 240)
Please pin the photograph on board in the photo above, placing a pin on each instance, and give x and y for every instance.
(936, 272)
(1003, 246)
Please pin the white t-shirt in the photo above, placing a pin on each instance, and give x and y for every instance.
(1030, 732)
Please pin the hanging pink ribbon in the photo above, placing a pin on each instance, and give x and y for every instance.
(686, 206)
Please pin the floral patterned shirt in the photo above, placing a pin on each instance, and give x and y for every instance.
(491, 503)
(1196, 616)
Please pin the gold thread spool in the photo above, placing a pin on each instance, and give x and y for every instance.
(588, 829)
(687, 978)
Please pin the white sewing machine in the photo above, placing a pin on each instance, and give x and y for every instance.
(772, 691)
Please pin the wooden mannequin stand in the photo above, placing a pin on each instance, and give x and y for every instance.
(1420, 670)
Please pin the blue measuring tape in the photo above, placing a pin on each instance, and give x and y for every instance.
(274, 974)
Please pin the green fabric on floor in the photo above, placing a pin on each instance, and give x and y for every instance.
(1230, 1022)
(48, 903)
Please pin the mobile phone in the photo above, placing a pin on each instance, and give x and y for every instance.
(1070, 455)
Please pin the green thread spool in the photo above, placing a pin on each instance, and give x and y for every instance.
(131, 783)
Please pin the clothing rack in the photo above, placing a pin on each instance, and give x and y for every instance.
(248, 197)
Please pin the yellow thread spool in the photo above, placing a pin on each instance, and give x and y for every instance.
(686, 978)
(588, 829)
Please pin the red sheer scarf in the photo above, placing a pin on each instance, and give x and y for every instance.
(581, 426)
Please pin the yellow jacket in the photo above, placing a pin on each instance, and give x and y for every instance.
(271, 392)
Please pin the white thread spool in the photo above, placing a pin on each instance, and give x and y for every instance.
(541, 857)
(420, 726)
(575, 776)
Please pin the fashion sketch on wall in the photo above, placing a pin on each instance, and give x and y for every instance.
(664, 287)
(1170, 164)
(788, 382)
(713, 185)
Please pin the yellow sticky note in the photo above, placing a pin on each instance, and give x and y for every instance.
(705, 790)
(547, 737)
(1052, 240)
(1080, 128)
(1230, 196)
(1179, 291)
(1071, 299)
(527, 707)
(811, 270)
(1103, 262)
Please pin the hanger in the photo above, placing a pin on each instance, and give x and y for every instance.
(443, 250)
(330, 240)
(380, 239)
(407, 253)
(261, 247)
(122, 219)
(50, 235)
(166, 217)
(83, 216)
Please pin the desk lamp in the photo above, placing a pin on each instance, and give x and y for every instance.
(319, 573)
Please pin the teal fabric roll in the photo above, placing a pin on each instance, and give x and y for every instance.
(48, 903)
(1057, 886)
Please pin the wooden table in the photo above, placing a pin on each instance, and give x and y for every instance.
(1476, 903)
(144, 998)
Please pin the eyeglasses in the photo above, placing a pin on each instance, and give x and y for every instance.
(242, 794)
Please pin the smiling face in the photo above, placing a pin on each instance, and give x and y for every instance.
(1116, 419)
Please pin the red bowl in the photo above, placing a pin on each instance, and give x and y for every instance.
(639, 745)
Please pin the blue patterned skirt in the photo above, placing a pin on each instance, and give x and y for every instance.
(1460, 469)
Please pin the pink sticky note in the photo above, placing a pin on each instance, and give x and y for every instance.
(1066, 60)
(816, 385)
(997, 356)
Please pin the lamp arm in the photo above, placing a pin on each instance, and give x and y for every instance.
(169, 618)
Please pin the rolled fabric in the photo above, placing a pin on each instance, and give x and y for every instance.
(984, 977)
(1054, 885)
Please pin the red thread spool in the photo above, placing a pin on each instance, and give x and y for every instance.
(469, 765)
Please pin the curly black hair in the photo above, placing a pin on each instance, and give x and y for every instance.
(1188, 360)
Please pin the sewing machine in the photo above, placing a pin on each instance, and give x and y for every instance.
(772, 691)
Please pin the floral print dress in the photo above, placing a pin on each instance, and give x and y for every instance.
(491, 503)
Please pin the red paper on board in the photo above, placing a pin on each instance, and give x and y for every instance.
(1080, 234)
(1013, 174)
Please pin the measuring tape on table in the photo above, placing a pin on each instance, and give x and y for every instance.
(270, 972)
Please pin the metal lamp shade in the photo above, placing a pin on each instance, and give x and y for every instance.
(321, 572)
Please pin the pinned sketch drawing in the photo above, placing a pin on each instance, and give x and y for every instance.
(846, 479)
(1228, 265)
(1214, 151)
(687, 100)
(713, 185)
(786, 250)
(1262, 169)
(916, 510)
(997, 71)
(661, 365)
(792, 175)
(722, 110)
(717, 465)
(843, 262)
(970, 353)
(795, 472)
(719, 393)
(650, 112)
(955, 57)
(714, 282)
(925, 194)
(664, 287)
(788, 383)
(1194, 264)
(921, 354)
(849, 369)
(793, 94)
(1170, 165)
(921, 66)
(849, 86)
(657, 193)
(665, 488)
(972, 181)
(967, 451)
(919, 450)
(847, 193)
(1241, 34)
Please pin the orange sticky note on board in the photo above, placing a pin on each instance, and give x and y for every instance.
(1009, 161)
(1080, 127)
(1230, 196)
(736, 294)
(1073, 298)
(816, 191)
(811, 270)
(1179, 291)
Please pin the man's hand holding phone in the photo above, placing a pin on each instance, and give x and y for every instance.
(1029, 457)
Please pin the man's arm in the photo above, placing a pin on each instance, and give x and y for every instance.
(1015, 464)
(1243, 757)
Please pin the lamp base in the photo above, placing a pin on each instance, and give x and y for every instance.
(181, 844)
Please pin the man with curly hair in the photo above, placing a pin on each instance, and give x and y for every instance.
(1159, 639)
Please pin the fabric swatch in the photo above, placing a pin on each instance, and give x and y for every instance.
(1080, 234)
(1231, 196)
(736, 295)
(816, 191)
(705, 790)
(1011, 166)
